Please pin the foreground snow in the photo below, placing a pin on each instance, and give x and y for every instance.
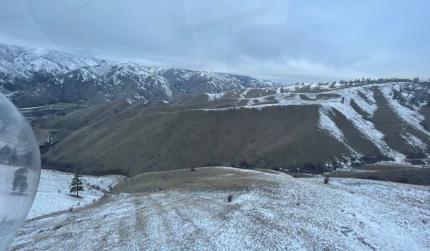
(274, 211)
(53, 192)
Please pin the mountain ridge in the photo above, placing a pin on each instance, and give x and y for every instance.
(284, 128)
(32, 77)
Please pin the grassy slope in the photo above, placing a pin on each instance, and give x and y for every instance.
(130, 139)
(139, 139)
(203, 179)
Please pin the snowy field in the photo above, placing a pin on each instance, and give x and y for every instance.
(53, 192)
(271, 212)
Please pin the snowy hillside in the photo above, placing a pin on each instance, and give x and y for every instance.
(32, 77)
(53, 192)
(301, 128)
(405, 102)
(267, 212)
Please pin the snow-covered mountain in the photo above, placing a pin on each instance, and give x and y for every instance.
(32, 77)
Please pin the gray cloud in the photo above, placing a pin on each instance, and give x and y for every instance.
(288, 40)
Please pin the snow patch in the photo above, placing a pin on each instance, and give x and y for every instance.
(327, 124)
(53, 192)
(414, 141)
(214, 96)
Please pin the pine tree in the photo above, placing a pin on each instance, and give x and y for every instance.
(76, 185)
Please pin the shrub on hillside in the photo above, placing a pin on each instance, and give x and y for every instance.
(326, 180)
(229, 198)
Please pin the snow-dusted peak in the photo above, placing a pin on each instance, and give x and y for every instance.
(26, 61)
(45, 76)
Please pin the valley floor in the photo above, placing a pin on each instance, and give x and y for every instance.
(267, 211)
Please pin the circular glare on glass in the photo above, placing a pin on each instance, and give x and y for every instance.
(19, 170)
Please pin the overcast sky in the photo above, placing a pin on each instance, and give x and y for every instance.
(287, 40)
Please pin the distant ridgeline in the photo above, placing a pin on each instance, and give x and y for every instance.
(34, 77)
